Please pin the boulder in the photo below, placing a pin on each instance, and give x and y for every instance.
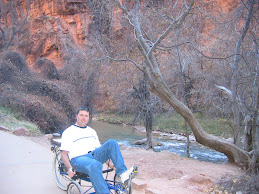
(139, 185)
(21, 131)
(202, 182)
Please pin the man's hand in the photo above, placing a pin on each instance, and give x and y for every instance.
(71, 173)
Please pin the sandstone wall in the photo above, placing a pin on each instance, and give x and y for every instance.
(55, 27)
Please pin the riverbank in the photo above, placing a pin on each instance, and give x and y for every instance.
(166, 172)
(174, 135)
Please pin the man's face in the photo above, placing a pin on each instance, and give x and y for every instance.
(82, 118)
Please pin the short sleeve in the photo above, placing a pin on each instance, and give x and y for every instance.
(65, 141)
(98, 141)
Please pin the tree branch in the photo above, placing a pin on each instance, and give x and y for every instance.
(174, 25)
(137, 65)
(204, 55)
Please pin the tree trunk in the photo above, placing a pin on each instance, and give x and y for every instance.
(247, 136)
(255, 135)
(89, 94)
(148, 114)
(182, 82)
(149, 128)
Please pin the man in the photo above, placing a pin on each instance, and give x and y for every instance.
(80, 146)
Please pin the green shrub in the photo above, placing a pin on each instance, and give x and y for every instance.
(11, 119)
(175, 123)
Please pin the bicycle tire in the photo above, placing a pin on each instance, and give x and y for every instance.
(74, 188)
(62, 180)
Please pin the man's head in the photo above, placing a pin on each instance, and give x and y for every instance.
(82, 117)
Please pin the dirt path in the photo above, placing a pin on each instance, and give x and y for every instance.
(167, 173)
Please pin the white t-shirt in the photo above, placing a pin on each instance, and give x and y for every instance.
(79, 141)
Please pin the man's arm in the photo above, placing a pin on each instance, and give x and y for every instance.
(65, 159)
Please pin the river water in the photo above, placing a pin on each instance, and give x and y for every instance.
(127, 136)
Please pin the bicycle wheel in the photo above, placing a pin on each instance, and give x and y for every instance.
(74, 188)
(59, 171)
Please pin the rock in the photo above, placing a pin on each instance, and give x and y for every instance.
(140, 142)
(21, 131)
(176, 175)
(140, 129)
(155, 132)
(198, 180)
(152, 191)
(144, 142)
(4, 129)
(230, 140)
(177, 137)
(139, 185)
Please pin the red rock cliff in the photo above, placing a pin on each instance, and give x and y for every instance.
(55, 27)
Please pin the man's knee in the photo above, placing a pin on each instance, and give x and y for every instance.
(95, 166)
(112, 142)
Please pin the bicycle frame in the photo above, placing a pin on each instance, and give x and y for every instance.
(112, 184)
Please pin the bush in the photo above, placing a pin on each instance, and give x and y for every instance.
(46, 69)
(17, 60)
(6, 72)
(43, 102)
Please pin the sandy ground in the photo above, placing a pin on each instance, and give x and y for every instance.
(167, 173)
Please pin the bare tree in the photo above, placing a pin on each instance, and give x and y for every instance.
(253, 164)
(142, 94)
(234, 80)
(8, 32)
(160, 88)
(244, 98)
(184, 94)
(89, 92)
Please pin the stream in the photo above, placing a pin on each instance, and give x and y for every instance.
(125, 135)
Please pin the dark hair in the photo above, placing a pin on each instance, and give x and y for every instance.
(82, 109)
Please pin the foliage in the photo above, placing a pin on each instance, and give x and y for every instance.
(46, 68)
(174, 123)
(12, 119)
(43, 102)
(116, 118)
(243, 184)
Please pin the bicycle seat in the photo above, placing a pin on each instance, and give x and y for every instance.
(56, 139)
(80, 175)
(56, 135)
(56, 142)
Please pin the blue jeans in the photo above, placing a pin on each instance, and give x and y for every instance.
(92, 164)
